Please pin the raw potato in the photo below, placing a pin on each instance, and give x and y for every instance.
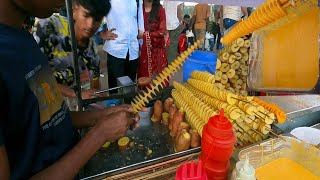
(183, 125)
(195, 138)
(178, 117)
(183, 142)
(144, 81)
(157, 111)
(167, 104)
(123, 143)
(165, 118)
(172, 111)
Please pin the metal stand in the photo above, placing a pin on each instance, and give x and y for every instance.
(74, 52)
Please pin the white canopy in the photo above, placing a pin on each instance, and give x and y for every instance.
(245, 3)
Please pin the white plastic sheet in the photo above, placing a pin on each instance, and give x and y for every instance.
(307, 134)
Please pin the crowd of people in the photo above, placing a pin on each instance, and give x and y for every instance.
(38, 133)
(140, 39)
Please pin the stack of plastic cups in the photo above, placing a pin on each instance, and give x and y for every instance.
(218, 139)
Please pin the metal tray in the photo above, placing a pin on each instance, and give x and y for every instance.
(154, 136)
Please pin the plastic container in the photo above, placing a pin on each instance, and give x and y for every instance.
(217, 171)
(217, 149)
(216, 164)
(201, 61)
(284, 55)
(113, 102)
(218, 139)
(243, 171)
(191, 171)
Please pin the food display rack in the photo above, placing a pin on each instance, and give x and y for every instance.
(302, 110)
(134, 163)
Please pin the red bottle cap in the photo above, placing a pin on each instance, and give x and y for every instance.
(191, 171)
(219, 126)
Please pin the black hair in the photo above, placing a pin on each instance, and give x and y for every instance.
(154, 14)
(186, 16)
(97, 8)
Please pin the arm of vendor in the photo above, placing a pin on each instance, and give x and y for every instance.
(53, 37)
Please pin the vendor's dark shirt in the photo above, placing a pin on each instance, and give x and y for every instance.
(35, 124)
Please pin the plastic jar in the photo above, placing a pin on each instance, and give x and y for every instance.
(218, 138)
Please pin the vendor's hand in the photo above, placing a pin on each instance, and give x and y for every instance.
(108, 35)
(88, 94)
(122, 107)
(115, 125)
(126, 108)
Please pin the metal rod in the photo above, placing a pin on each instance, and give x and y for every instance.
(74, 52)
(110, 89)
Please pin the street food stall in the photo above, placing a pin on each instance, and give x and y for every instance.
(244, 65)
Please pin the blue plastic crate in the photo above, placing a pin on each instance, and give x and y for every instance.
(201, 61)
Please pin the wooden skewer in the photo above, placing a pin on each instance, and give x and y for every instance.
(278, 136)
(258, 115)
(254, 130)
(264, 113)
(246, 132)
(241, 100)
(250, 118)
(270, 130)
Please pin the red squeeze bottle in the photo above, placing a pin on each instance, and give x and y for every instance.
(217, 143)
(218, 138)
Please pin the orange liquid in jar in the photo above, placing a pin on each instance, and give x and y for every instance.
(284, 169)
(291, 59)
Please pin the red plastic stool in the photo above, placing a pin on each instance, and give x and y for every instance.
(191, 171)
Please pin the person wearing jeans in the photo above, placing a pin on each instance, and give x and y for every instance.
(231, 15)
(216, 29)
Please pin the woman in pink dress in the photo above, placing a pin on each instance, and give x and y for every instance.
(153, 57)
